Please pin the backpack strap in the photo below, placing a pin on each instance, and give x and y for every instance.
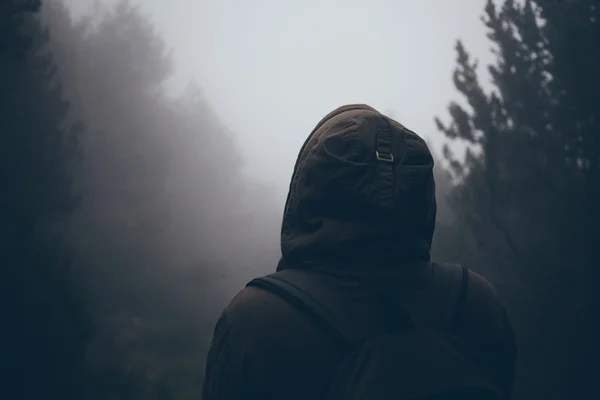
(459, 308)
(310, 295)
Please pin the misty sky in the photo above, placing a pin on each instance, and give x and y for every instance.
(272, 68)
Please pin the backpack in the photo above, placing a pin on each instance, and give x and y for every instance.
(407, 362)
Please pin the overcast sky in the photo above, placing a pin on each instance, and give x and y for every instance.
(273, 68)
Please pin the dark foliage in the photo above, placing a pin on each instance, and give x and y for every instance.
(526, 204)
(164, 216)
(167, 228)
(45, 326)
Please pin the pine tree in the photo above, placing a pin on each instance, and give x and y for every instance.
(528, 186)
(45, 326)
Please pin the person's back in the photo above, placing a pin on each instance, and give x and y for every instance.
(360, 214)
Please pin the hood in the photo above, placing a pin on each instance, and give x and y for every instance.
(362, 194)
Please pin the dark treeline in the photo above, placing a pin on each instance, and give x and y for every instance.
(527, 194)
(45, 328)
(127, 222)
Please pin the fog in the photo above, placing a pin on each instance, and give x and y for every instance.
(160, 157)
(184, 120)
(193, 115)
(170, 224)
(272, 69)
(199, 109)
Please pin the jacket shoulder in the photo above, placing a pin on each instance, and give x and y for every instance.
(487, 327)
(256, 315)
(277, 344)
(483, 307)
(254, 310)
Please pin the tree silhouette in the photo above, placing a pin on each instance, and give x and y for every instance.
(45, 324)
(528, 187)
(165, 215)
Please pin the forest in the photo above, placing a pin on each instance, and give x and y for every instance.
(115, 268)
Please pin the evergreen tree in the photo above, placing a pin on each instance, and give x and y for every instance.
(526, 202)
(161, 192)
(44, 327)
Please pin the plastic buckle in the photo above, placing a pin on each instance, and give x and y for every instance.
(385, 157)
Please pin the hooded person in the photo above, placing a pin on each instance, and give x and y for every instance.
(360, 214)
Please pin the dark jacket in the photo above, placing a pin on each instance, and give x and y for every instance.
(364, 218)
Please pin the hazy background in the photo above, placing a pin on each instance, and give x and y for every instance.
(146, 149)
(272, 69)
